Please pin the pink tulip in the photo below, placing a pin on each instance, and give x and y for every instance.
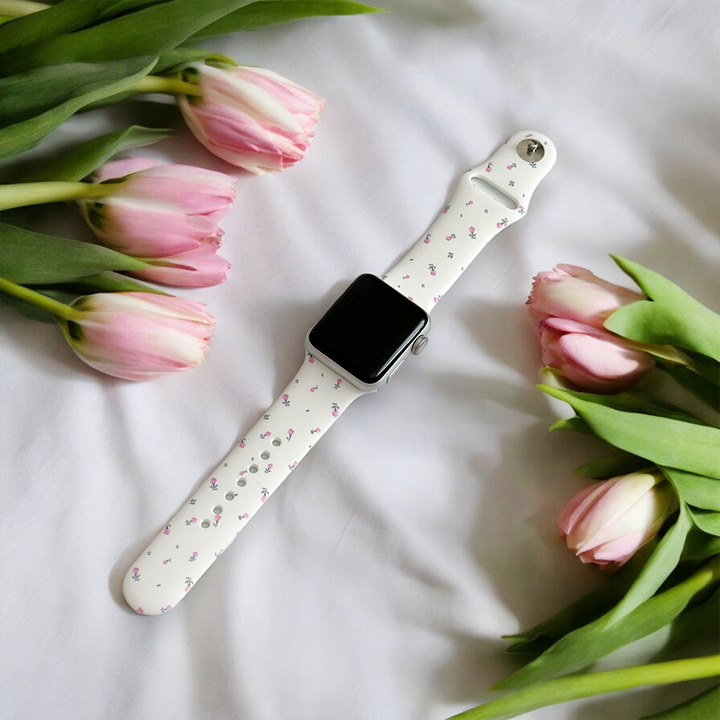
(609, 521)
(250, 117)
(137, 335)
(201, 267)
(572, 292)
(593, 360)
(157, 211)
(570, 305)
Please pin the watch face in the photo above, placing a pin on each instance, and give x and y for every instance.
(368, 328)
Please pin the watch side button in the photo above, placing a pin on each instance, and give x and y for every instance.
(419, 345)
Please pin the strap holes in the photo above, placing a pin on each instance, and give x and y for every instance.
(265, 455)
(253, 468)
(277, 442)
(217, 510)
(205, 524)
(241, 482)
(229, 496)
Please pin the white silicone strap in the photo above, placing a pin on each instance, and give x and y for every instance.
(470, 220)
(222, 505)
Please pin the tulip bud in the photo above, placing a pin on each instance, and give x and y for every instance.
(572, 292)
(250, 117)
(611, 520)
(137, 335)
(593, 360)
(157, 211)
(571, 305)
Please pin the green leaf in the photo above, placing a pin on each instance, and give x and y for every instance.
(697, 383)
(662, 440)
(696, 490)
(109, 281)
(572, 424)
(700, 546)
(29, 258)
(582, 647)
(149, 31)
(64, 17)
(701, 707)
(707, 521)
(24, 135)
(621, 463)
(574, 687)
(82, 161)
(670, 317)
(262, 14)
(588, 608)
(657, 569)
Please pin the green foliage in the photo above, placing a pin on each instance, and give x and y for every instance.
(24, 135)
(29, 258)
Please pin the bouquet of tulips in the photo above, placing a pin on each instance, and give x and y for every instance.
(651, 515)
(151, 222)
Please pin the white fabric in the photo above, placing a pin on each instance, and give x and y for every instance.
(378, 579)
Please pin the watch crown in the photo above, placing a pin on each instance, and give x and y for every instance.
(419, 345)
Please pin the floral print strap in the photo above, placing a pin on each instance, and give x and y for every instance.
(472, 218)
(224, 503)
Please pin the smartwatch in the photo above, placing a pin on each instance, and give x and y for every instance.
(354, 349)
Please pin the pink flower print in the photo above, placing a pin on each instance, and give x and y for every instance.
(165, 562)
(191, 521)
(218, 518)
(213, 483)
(140, 611)
(166, 531)
(193, 557)
(293, 466)
(313, 389)
(502, 223)
(244, 516)
(263, 436)
(136, 574)
(406, 277)
(264, 494)
(427, 239)
(166, 608)
(450, 237)
(471, 233)
(521, 210)
(488, 168)
(269, 468)
(432, 269)
(511, 166)
(286, 400)
(290, 433)
(469, 202)
(316, 430)
(435, 299)
(338, 383)
(242, 443)
(311, 359)
(446, 209)
(335, 409)
(188, 583)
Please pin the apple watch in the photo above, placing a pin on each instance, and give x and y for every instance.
(354, 349)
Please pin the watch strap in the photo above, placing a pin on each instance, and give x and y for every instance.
(223, 504)
(472, 217)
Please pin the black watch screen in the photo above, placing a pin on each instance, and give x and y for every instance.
(368, 328)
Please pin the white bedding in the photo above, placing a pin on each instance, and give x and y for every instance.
(377, 581)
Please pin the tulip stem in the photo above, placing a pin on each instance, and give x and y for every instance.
(39, 193)
(54, 307)
(18, 8)
(166, 86)
(573, 687)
